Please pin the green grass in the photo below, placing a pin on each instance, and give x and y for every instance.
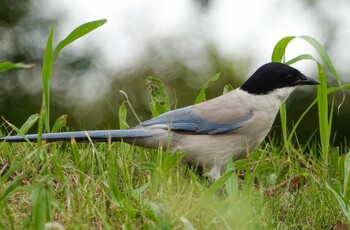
(116, 185)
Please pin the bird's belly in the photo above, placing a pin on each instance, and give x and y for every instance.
(209, 150)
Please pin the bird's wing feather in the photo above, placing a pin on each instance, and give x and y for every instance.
(187, 120)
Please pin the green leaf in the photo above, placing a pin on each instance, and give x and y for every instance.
(126, 100)
(60, 122)
(323, 112)
(16, 166)
(19, 132)
(227, 89)
(41, 204)
(279, 50)
(4, 66)
(123, 124)
(201, 95)
(78, 162)
(335, 89)
(343, 203)
(231, 184)
(160, 102)
(77, 33)
(346, 182)
(172, 161)
(116, 194)
(29, 123)
(9, 188)
(46, 79)
(323, 54)
(300, 58)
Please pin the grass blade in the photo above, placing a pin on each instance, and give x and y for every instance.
(126, 100)
(8, 189)
(201, 94)
(323, 54)
(283, 117)
(301, 58)
(46, 80)
(208, 193)
(279, 50)
(29, 123)
(278, 55)
(123, 124)
(59, 123)
(5, 66)
(77, 33)
(41, 205)
(343, 203)
(323, 112)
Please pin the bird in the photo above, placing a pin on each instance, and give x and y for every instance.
(209, 133)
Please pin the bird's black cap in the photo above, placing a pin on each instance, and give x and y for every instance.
(275, 75)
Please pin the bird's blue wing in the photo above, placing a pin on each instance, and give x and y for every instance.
(187, 121)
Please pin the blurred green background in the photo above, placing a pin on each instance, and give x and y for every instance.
(87, 78)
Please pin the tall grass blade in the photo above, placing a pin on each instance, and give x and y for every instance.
(116, 194)
(46, 81)
(77, 33)
(283, 117)
(231, 184)
(278, 55)
(323, 54)
(41, 204)
(49, 57)
(323, 112)
(346, 181)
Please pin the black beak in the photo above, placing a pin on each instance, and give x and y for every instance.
(303, 80)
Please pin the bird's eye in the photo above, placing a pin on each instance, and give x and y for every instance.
(290, 78)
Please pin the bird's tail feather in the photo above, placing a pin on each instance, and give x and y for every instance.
(80, 136)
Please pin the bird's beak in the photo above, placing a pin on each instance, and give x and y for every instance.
(303, 80)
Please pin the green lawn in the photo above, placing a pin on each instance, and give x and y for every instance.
(86, 186)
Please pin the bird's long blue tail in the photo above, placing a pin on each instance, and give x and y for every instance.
(81, 136)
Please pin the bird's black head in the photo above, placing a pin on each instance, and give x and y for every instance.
(273, 76)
